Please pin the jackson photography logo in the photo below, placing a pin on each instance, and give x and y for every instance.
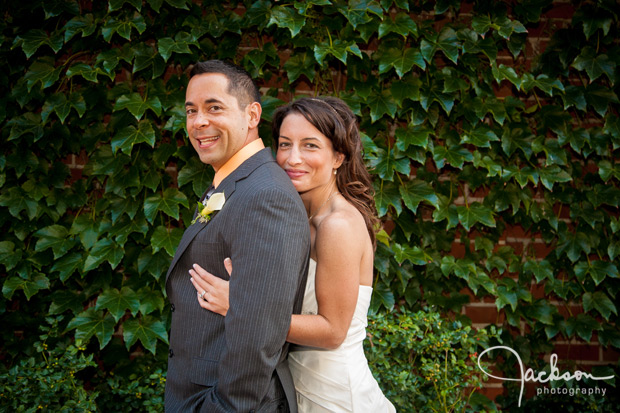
(554, 375)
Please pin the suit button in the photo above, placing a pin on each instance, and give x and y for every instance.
(170, 353)
(172, 307)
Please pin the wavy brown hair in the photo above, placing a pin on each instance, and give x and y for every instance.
(333, 118)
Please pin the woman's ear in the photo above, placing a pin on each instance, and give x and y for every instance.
(254, 111)
(339, 160)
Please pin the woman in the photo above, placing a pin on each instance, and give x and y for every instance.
(319, 147)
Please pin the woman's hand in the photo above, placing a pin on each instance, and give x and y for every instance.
(212, 291)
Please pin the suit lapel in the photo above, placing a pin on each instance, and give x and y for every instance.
(227, 186)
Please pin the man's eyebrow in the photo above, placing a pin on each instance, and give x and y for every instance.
(207, 101)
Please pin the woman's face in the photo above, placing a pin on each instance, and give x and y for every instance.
(307, 156)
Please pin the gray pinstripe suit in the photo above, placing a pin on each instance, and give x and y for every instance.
(235, 363)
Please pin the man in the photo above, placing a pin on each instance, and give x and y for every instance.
(236, 363)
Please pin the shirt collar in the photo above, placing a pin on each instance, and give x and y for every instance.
(237, 159)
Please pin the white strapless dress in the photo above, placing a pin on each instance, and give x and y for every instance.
(336, 380)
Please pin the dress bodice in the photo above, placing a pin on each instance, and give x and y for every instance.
(337, 380)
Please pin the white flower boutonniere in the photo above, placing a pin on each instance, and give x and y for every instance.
(215, 203)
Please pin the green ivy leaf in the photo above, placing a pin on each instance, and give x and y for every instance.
(505, 72)
(593, 21)
(402, 24)
(357, 11)
(552, 174)
(149, 300)
(582, 325)
(147, 57)
(180, 44)
(197, 173)
(445, 40)
(116, 302)
(480, 136)
(114, 5)
(138, 105)
(416, 191)
(167, 238)
(59, 104)
(300, 64)
(507, 27)
(17, 201)
(506, 297)
(64, 300)
(599, 301)
(9, 257)
(68, 265)
(104, 250)
(168, 202)
(573, 244)
(454, 155)
(595, 65)
(386, 194)
(381, 104)
(416, 136)
(402, 60)
(600, 97)
(470, 215)
(540, 269)
(542, 82)
(41, 71)
(123, 28)
(92, 323)
(127, 137)
(416, 255)
(542, 311)
(338, 48)
(574, 96)
(481, 24)
(446, 210)
(29, 286)
(386, 162)
(155, 264)
(85, 24)
(31, 41)
(55, 237)
(288, 18)
(382, 295)
(147, 329)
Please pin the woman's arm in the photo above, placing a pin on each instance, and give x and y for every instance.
(339, 246)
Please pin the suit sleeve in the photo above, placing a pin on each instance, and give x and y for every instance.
(269, 245)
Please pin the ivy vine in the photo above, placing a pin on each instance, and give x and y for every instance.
(469, 133)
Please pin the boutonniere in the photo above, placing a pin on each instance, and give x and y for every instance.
(215, 203)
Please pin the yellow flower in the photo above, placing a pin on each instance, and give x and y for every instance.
(215, 203)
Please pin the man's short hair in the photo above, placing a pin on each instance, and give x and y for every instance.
(240, 83)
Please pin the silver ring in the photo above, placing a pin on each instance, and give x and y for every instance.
(203, 293)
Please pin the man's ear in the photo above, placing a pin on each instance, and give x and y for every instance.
(254, 111)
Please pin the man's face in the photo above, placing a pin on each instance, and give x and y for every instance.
(216, 125)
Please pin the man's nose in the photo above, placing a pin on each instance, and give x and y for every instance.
(202, 119)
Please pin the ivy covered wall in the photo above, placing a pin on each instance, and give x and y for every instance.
(492, 136)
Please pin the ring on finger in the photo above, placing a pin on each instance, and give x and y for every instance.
(202, 294)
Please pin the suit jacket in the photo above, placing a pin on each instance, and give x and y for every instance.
(236, 363)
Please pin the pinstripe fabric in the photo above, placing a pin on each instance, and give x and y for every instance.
(226, 364)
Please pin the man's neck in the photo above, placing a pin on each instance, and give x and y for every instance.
(237, 159)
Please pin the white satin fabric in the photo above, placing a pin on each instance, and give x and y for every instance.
(336, 380)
